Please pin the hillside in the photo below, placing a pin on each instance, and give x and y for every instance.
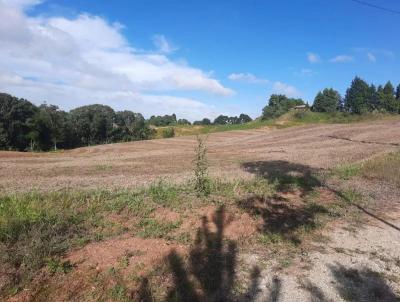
(128, 165)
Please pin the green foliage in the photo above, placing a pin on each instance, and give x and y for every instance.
(183, 122)
(33, 230)
(57, 266)
(93, 124)
(168, 132)
(162, 121)
(232, 120)
(151, 228)
(16, 116)
(201, 180)
(204, 121)
(279, 105)
(388, 99)
(357, 96)
(398, 93)
(23, 126)
(131, 126)
(327, 101)
(346, 172)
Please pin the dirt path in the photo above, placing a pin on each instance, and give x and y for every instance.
(359, 262)
(137, 163)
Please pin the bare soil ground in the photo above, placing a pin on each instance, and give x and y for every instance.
(358, 261)
(354, 257)
(133, 164)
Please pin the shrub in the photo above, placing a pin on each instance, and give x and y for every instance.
(202, 182)
(168, 132)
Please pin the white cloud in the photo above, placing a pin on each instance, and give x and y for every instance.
(341, 59)
(313, 58)
(163, 45)
(374, 54)
(304, 72)
(72, 62)
(283, 88)
(371, 57)
(247, 78)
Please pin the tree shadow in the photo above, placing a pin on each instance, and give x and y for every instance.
(316, 294)
(286, 175)
(282, 218)
(362, 285)
(209, 274)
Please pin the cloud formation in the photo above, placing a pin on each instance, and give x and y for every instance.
(247, 78)
(71, 62)
(283, 88)
(341, 59)
(163, 45)
(313, 58)
(371, 57)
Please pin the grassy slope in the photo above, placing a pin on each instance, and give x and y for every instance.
(288, 120)
(36, 229)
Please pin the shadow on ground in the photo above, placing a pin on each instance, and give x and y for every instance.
(209, 274)
(286, 175)
(361, 285)
(282, 216)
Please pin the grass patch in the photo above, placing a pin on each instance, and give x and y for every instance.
(289, 119)
(385, 168)
(151, 228)
(37, 229)
(351, 196)
(345, 172)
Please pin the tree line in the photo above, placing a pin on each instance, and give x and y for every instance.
(171, 120)
(24, 126)
(360, 98)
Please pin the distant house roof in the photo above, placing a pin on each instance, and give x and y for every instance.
(299, 107)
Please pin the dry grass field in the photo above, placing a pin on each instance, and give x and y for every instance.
(128, 165)
(308, 213)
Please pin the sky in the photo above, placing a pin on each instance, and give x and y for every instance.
(193, 58)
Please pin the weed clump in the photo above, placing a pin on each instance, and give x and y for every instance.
(202, 183)
(168, 132)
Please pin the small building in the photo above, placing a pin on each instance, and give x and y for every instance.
(300, 108)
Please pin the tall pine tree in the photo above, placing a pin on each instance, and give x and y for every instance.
(327, 101)
(357, 96)
(388, 98)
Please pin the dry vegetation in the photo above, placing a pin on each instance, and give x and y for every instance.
(278, 205)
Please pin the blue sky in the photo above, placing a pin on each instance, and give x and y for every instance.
(194, 58)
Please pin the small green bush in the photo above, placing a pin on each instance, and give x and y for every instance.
(168, 132)
(202, 183)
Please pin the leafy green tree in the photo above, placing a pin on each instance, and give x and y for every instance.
(221, 120)
(244, 118)
(130, 126)
(327, 101)
(373, 101)
(357, 96)
(278, 105)
(162, 121)
(388, 98)
(398, 92)
(55, 121)
(183, 122)
(15, 121)
(206, 121)
(93, 124)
